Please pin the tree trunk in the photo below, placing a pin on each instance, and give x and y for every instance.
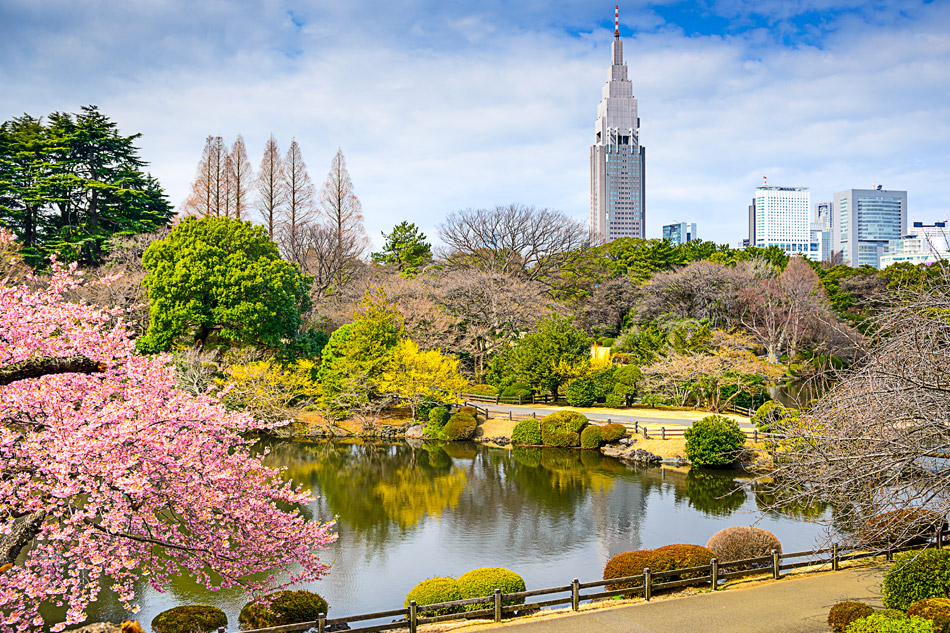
(46, 365)
(22, 535)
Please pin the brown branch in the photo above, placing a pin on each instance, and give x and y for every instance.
(23, 532)
(47, 366)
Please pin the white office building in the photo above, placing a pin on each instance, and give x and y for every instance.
(924, 244)
(865, 221)
(781, 216)
(617, 160)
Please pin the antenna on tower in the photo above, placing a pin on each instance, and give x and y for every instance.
(765, 180)
(617, 21)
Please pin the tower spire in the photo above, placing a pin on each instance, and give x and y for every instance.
(617, 21)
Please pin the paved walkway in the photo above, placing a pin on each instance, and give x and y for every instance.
(670, 419)
(790, 605)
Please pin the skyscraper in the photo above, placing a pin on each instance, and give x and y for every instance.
(680, 233)
(865, 220)
(617, 160)
(780, 216)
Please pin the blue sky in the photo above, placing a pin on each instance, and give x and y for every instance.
(440, 106)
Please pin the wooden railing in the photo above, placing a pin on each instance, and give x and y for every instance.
(532, 399)
(644, 584)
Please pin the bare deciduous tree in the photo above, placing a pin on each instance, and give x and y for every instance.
(241, 176)
(534, 244)
(298, 211)
(879, 441)
(700, 290)
(209, 192)
(271, 186)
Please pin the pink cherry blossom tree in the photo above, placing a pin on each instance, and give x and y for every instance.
(110, 474)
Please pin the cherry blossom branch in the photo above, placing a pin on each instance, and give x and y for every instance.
(47, 366)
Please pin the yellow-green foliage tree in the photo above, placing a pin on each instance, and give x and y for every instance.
(271, 391)
(417, 377)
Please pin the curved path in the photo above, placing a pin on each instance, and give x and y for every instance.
(643, 416)
(795, 604)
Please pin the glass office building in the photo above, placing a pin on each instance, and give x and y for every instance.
(865, 221)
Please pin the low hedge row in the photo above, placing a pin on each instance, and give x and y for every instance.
(477, 583)
(565, 429)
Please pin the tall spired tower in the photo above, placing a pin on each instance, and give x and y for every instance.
(617, 160)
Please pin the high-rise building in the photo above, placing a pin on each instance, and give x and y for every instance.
(864, 221)
(781, 217)
(680, 233)
(924, 244)
(822, 214)
(617, 160)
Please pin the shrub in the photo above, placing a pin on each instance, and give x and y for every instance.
(591, 437)
(460, 426)
(603, 382)
(286, 607)
(519, 389)
(527, 432)
(434, 591)
(562, 429)
(680, 557)
(844, 613)
(937, 610)
(884, 622)
(482, 582)
(916, 576)
(652, 400)
(439, 416)
(581, 392)
(195, 618)
(472, 411)
(615, 400)
(713, 441)
(605, 341)
(612, 432)
(767, 415)
(740, 543)
(482, 390)
(899, 527)
(628, 564)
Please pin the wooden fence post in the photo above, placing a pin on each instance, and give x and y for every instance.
(889, 554)
(321, 623)
(940, 537)
(646, 435)
(662, 432)
(714, 573)
(510, 418)
(497, 605)
(755, 435)
(776, 565)
(647, 583)
(534, 415)
(575, 594)
(636, 426)
(413, 624)
(497, 398)
(834, 557)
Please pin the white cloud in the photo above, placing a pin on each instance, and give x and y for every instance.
(437, 111)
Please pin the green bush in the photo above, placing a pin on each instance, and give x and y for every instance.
(527, 432)
(438, 417)
(937, 610)
(605, 341)
(612, 432)
(714, 441)
(562, 429)
(652, 400)
(286, 607)
(615, 401)
(196, 618)
(434, 591)
(482, 390)
(460, 426)
(844, 613)
(581, 392)
(916, 576)
(767, 415)
(603, 382)
(517, 390)
(482, 582)
(591, 437)
(884, 622)
(472, 411)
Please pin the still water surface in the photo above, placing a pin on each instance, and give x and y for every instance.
(408, 513)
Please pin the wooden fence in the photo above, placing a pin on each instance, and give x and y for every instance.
(645, 584)
(532, 399)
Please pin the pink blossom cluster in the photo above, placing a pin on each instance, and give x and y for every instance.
(138, 480)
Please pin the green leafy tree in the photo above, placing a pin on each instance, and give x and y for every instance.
(219, 280)
(547, 357)
(71, 183)
(406, 248)
(714, 441)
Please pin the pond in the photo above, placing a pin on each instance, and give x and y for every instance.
(409, 513)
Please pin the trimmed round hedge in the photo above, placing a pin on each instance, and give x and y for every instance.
(591, 438)
(628, 564)
(563, 428)
(195, 618)
(937, 610)
(460, 426)
(899, 527)
(482, 582)
(714, 441)
(286, 607)
(740, 543)
(612, 432)
(681, 556)
(615, 400)
(844, 613)
(664, 558)
(527, 432)
(917, 576)
(890, 621)
(581, 392)
(434, 591)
